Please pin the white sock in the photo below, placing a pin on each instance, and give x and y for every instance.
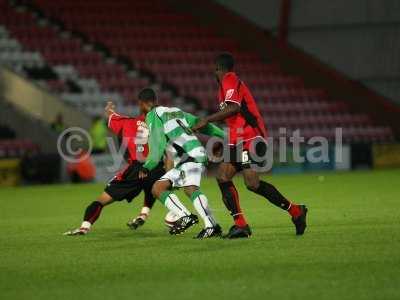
(144, 213)
(173, 204)
(86, 225)
(201, 205)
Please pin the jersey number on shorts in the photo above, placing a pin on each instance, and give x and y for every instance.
(245, 156)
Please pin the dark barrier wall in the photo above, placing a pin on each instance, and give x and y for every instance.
(40, 168)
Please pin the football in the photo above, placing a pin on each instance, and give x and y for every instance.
(170, 219)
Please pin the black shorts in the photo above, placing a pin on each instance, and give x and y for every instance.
(242, 158)
(126, 185)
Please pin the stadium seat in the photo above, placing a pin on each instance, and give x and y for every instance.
(167, 48)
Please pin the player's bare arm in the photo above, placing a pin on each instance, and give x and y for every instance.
(229, 110)
(168, 161)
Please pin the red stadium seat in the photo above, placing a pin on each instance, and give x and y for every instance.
(179, 52)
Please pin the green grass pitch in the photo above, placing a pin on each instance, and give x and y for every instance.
(350, 251)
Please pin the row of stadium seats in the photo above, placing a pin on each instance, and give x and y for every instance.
(297, 120)
(177, 52)
(73, 61)
(348, 134)
(12, 54)
(40, 39)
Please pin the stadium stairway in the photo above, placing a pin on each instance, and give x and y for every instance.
(86, 75)
(101, 49)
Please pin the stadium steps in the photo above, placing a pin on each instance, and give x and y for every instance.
(176, 51)
(58, 51)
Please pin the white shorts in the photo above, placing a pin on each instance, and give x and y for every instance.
(185, 175)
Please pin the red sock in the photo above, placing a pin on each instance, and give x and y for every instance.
(294, 210)
(239, 216)
(240, 220)
(92, 212)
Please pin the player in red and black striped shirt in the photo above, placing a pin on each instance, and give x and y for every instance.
(247, 135)
(126, 185)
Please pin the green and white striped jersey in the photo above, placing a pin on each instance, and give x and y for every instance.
(170, 130)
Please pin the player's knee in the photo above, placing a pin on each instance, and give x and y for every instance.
(189, 190)
(225, 172)
(252, 185)
(222, 178)
(155, 190)
(251, 180)
(158, 188)
(104, 199)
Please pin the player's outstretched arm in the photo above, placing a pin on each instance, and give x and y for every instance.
(168, 161)
(229, 110)
(209, 129)
(115, 121)
(213, 130)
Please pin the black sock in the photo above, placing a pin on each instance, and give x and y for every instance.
(149, 199)
(231, 200)
(272, 194)
(93, 212)
(230, 197)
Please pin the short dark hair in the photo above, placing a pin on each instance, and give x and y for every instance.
(225, 61)
(147, 95)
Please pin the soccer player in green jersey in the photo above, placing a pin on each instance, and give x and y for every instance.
(170, 133)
